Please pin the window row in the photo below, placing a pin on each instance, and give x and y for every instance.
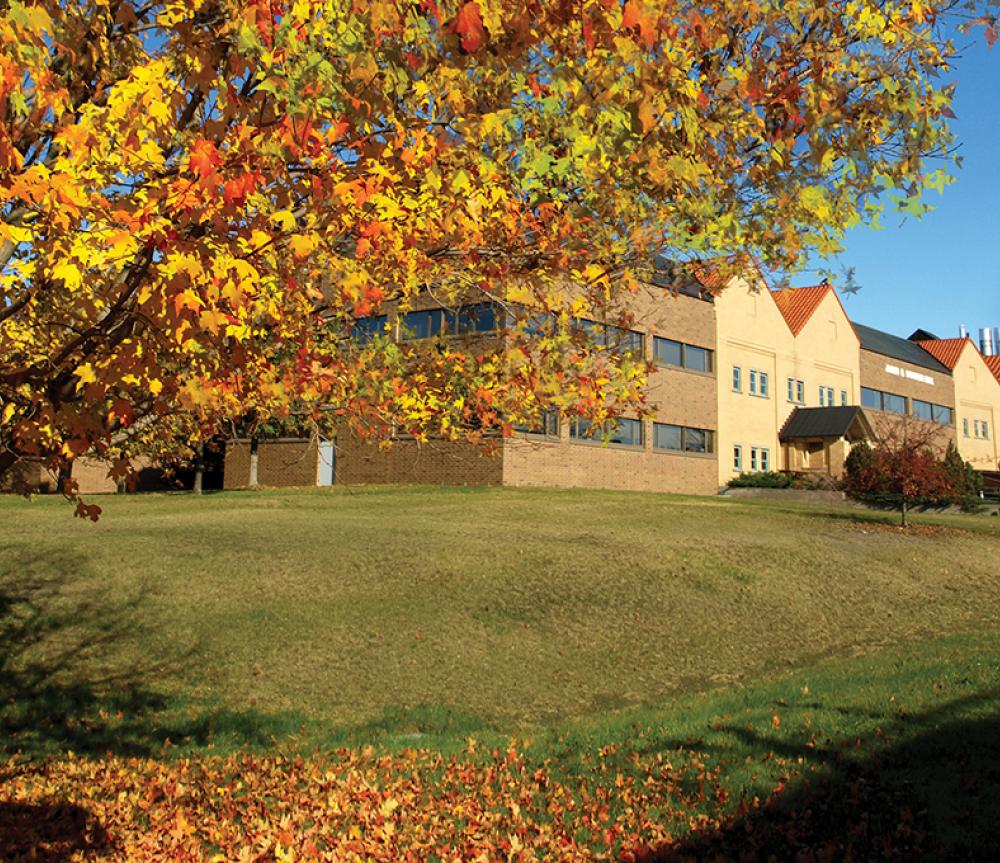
(758, 382)
(982, 428)
(682, 355)
(928, 411)
(759, 461)
(882, 401)
(896, 404)
(486, 317)
(626, 432)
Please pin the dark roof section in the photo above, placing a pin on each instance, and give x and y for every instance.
(679, 278)
(903, 350)
(922, 336)
(821, 422)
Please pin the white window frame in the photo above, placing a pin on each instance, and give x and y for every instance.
(737, 379)
(759, 384)
(738, 457)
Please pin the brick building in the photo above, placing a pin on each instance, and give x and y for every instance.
(747, 380)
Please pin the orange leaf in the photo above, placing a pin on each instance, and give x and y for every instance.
(469, 25)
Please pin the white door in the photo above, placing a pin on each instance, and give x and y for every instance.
(327, 463)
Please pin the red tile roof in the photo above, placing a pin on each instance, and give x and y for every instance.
(798, 304)
(945, 351)
(994, 364)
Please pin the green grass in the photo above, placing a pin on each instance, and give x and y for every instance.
(576, 622)
(504, 608)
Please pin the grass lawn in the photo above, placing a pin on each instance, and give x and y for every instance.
(778, 644)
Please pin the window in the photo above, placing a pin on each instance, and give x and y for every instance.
(826, 397)
(682, 439)
(931, 412)
(760, 459)
(942, 414)
(800, 392)
(758, 383)
(673, 353)
(544, 423)
(479, 318)
(365, 329)
(843, 398)
(626, 432)
(737, 379)
(616, 339)
(668, 352)
(668, 437)
(982, 430)
(883, 401)
(737, 458)
(697, 358)
(623, 431)
(986, 430)
(893, 403)
(965, 426)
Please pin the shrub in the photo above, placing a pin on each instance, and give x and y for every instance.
(771, 479)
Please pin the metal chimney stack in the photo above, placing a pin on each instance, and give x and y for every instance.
(963, 333)
(986, 343)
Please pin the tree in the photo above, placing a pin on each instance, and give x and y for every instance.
(200, 197)
(904, 468)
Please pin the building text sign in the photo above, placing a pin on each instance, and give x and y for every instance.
(909, 375)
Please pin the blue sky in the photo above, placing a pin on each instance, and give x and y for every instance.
(943, 270)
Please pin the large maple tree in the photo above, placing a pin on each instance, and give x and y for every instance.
(199, 198)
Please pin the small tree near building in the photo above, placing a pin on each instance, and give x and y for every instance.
(904, 468)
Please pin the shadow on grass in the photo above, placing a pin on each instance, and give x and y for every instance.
(923, 787)
(74, 675)
(49, 833)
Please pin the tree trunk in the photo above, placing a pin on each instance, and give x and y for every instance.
(199, 469)
(8, 458)
(906, 521)
(252, 483)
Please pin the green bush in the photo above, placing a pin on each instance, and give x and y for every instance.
(771, 479)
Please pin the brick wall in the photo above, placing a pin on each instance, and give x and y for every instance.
(941, 391)
(28, 475)
(406, 461)
(874, 375)
(535, 461)
(91, 475)
(280, 463)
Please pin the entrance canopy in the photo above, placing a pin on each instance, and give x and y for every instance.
(833, 422)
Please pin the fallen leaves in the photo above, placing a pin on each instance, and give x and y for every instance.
(350, 805)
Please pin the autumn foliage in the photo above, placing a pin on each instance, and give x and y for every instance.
(905, 467)
(199, 198)
(418, 805)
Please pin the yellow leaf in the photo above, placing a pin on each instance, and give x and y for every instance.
(284, 220)
(303, 245)
(8, 412)
(69, 274)
(85, 374)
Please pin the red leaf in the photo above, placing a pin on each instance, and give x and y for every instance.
(991, 36)
(632, 14)
(469, 25)
(205, 158)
